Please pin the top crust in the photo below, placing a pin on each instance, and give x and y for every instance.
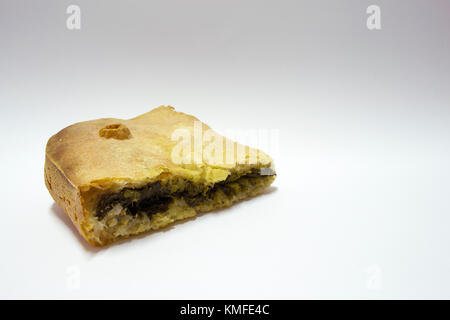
(111, 152)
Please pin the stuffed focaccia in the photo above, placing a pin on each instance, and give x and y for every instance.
(116, 178)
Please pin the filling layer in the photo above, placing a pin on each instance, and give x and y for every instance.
(156, 197)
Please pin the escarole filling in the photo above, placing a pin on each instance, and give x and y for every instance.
(156, 197)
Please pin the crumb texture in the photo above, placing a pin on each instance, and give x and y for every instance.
(122, 219)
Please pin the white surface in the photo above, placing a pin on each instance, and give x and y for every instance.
(360, 208)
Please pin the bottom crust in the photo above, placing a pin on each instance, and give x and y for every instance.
(118, 224)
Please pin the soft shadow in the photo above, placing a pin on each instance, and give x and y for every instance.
(62, 216)
(66, 220)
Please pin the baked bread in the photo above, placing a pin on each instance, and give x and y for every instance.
(116, 178)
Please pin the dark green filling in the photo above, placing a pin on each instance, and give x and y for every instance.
(151, 199)
(154, 197)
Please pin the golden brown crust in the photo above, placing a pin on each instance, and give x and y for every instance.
(89, 157)
(66, 196)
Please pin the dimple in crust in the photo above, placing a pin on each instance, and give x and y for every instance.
(116, 131)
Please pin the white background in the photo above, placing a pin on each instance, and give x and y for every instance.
(360, 208)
